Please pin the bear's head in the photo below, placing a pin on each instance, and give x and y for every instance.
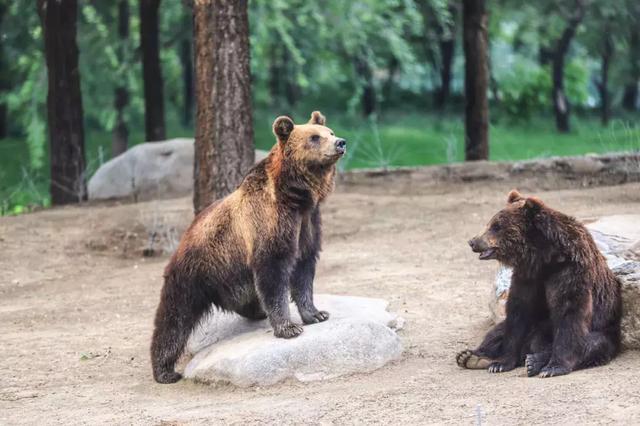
(310, 144)
(512, 232)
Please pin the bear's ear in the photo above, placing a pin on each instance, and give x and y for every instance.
(317, 118)
(282, 128)
(533, 204)
(514, 196)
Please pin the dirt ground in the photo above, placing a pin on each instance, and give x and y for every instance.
(77, 302)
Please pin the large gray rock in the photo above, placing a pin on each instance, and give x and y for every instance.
(618, 238)
(147, 171)
(360, 336)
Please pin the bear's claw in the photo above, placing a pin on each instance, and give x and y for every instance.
(317, 316)
(554, 370)
(287, 330)
(534, 363)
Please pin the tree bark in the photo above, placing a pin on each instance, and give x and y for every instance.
(447, 53)
(64, 101)
(561, 106)
(476, 79)
(363, 71)
(151, 71)
(630, 97)
(120, 137)
(5, 75)
(224, 148)
(186, 58)
(603, 86)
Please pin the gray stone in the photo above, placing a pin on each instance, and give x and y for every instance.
(618, 238)
(360, 336)
(147, 171)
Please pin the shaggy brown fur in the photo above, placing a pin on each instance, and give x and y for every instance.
(250, 251)
(564, 305)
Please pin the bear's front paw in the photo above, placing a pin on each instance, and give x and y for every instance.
(287, 330)
(554, 370)
(313, 317)
(468, 359)
(501, 366)
(535, 362)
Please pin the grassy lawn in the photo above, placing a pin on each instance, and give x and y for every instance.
(395, 139)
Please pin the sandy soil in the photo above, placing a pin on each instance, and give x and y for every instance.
(77, 302)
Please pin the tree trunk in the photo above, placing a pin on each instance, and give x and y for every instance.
(476, 79)
(561, 106)
(224, 148)
(187, 82)
(151, 71)
(603, 86)
(447, 53)
(630, 97)
(363, 71)
(5, 75)
(186, 58)
(120, 137)
(64, 101)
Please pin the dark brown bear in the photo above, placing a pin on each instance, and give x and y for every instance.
(252, 250)
(564, 306)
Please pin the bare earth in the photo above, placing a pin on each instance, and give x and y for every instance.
(77, 302)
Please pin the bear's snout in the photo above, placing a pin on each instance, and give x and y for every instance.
(341, 145)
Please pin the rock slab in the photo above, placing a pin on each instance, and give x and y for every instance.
(618, 238)
(148, 171)
(360, 336)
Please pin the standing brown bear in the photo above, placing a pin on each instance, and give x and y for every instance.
(564, 305)
(250, 251)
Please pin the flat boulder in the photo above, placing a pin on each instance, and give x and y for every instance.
(360, 336)
(148, 171)
(618, 238)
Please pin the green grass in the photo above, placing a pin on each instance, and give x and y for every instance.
(396, 139)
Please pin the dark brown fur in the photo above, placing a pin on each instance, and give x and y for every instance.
(564, 304)
(252, 250)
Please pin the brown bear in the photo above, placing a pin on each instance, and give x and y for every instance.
(249, 252)
(564, 304)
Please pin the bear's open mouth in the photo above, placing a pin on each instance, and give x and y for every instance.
(489, 253)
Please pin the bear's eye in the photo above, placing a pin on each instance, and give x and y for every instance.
(495, 227)
(315, 138)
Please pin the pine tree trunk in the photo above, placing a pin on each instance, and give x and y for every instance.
(363, 71)
(151, 71)
(447, 54)
(224, 148)
(64, 101)
(630, 97)
(120, 137)
(476, 79)
(607, 53)
(561, 106)
(5, 75)
(186, 58)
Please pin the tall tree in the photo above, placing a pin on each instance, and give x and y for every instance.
(560, 48)
(476, 79)
(630, 97)
(224, 147)
(151, 71)
(447, 44)
(64, 101)
(5, 75)
(120, 136)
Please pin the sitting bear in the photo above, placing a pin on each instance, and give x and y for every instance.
(564, 304)
(249, 252)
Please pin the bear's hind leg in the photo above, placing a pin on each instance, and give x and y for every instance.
(178, 313)
(599, 350)
(486, 353)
